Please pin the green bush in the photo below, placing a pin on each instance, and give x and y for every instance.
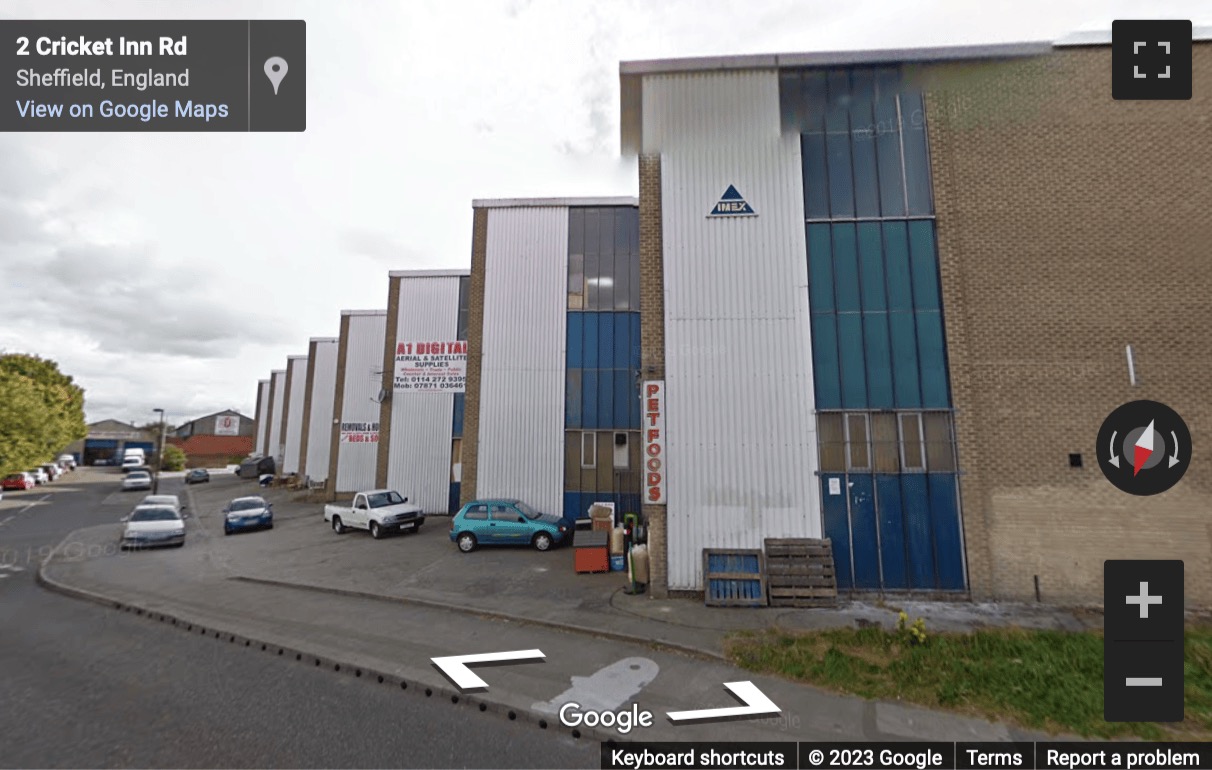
(173, 459)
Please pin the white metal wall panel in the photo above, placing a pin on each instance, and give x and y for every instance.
(418, 455)
(263, 391)
(741, 431)
(297, 369)
(521, 442)
(363, 380)
(274, 444)
(323, 393)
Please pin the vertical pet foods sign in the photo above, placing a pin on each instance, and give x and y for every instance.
(654, 442)
(431, 367)
(359, 432)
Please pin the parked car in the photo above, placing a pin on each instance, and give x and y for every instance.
(197, 476)
(153, 525)
(132, 462)
(256, 467)
(507, 522)
(68, 461)
(18, 481)
(247, 513)
(137, 480)
(53, 471)
(39, 475)
(171, 501)
(379, 510)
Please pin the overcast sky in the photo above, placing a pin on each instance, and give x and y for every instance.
(175, 270)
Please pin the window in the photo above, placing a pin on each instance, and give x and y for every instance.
(833, 442)
(477, 513)
(589, 450)
(858, 456)
(621, 460)
(504, 513)
(913, 447)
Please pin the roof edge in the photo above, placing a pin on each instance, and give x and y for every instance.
(364, 312)
(428, 273)
(511, 203)
(323, 339)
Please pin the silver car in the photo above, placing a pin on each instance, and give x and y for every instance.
(153, 525)
(137, 480)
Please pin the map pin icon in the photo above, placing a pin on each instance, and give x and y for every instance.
(275, 70)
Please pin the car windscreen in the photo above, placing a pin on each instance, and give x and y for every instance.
(139, 476)
(526, 510)
(380, 499)
(14, 477)
(246, 505)
(154, 514)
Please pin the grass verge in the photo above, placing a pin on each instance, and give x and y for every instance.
(1043, 680)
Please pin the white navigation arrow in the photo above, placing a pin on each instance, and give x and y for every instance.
(1174, 457)
(1114, 457)
(455, 666)
(756, 703)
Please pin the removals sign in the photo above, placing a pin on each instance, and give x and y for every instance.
(654, 442)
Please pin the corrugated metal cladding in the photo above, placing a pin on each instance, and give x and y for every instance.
(418, 457)
(741, 434)
(521, 442)
(363, 379)
(262, 415)
(323, 392)
(297, 369)
(274, 442)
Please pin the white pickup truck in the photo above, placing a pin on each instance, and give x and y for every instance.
(379, 510)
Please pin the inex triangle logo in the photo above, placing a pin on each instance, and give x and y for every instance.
(732, 205)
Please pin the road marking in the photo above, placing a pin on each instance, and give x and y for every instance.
(31, 505)
(607, 689)
(12, 567)
(6, 521)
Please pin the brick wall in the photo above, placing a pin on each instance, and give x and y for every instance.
(652, 341)
(475, 350)
(389, 373)
(1071, 225)
(334, 438)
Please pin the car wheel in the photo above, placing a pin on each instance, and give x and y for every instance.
(467, 542)
(542, 541)
(337, 526)
(376, 531)
(226, 531)
(270, 525)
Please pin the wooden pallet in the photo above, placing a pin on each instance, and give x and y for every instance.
(800, 572)
(734, 577)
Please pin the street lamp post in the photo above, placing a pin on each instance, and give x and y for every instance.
(159, 453)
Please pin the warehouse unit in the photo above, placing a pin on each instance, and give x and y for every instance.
(354, 437)
(424, 374)
(277, 404)
(552, 412)
(869, 275)
(261, 436)
(321, 389)
(292, 414)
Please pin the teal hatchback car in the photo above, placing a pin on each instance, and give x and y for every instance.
(507, 522)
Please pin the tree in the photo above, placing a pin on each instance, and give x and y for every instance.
(173, 458)
(41, 411)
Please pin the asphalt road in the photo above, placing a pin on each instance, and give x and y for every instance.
(86, 686)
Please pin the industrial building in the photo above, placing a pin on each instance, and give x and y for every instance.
(424, 371)
(317, 409)
(887, 299)
(354, 437)
(107, 440)
(261, 435)
(552, 414)
(292, 415)
(277, 402)
(215, 440)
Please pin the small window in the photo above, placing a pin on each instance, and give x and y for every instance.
(858, 454)
(504, 513)
(477, 512)
(621, 459)
(589, 450)
(913, 448)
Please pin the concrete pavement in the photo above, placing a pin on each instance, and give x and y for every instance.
(394, 612)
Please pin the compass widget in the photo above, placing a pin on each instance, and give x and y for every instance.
(1144, 447)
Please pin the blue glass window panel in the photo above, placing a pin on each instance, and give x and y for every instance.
(923, 262)
(944, 516)
(837, 529)
(576, 333)
(624, 390)
(837, 151)
(825, 367)
(592, 258)
(871, 266)
(917, 153)
(854, 370)
(933, 359)
(637, 349)
(589, 399)
(892, 532)
(622, 339)
(605, 341)
(896, 266)
(605, 416)
(888, 143)
(460, 402)
(572, 399)
(589, 355)
(879, 361)
(863, 526)
(845, 268)
(919, 539)
(820, 268)
(904, 361)
(816, 177)
(862, 139)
